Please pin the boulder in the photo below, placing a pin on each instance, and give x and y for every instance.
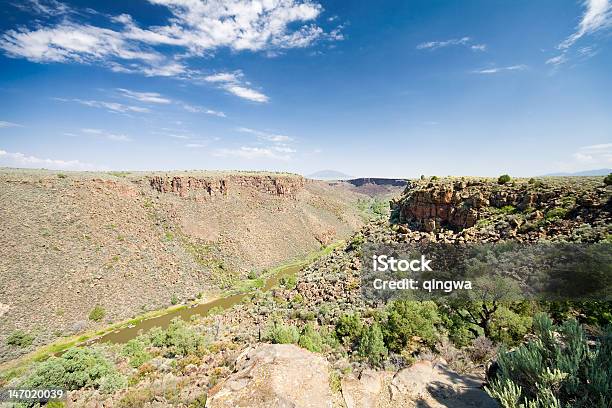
(275, 375)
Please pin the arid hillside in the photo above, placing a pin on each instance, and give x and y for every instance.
(134, 242)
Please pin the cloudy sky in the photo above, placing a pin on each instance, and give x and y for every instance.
(388, 88)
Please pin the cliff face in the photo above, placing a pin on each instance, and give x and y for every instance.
(199, 187)
(460, 204)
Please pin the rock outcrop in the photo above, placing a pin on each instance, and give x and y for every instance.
(202, 187)
(275, 375)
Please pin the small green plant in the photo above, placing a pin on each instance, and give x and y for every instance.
(503, 179)
(61, 175)
(97, 313)
(310, 339)
(372, 345)
(280, 333)
(608, 179)
(556, 213)
(252, 274)
(19, 338)
(433, 178)
(174, 299)
(136, 352)
(289, 281)
(532, 181)
(349, 327)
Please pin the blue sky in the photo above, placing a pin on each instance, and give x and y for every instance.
(388, 88)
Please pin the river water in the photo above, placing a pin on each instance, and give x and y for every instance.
(125, 334)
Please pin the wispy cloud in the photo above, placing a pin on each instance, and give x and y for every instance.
(270, 137)
(4, 124)
(247, 152)
(594, 155)
(200, 109)
(107, 135)
(44, 7)
(497, 70)
(111, 106)
(16, 159)
(597, 16)
(234, 83)
(463, 41)
(147, 97)
(196, 145)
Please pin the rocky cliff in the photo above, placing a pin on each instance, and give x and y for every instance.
(203, 187)
(462, 204)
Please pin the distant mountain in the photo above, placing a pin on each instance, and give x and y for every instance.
(596, 172)
(329, 175)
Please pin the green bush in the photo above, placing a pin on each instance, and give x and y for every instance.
(503, 179)
(556, 369)
(407, 319)
(555, 213)
(19, 338)
(372, 345)
(349, 327)
(75, 369)
(174, 300)
(97, 313)
(289, 281)
(279, 333)
(135, 350)
(508, 326)
(310, 339)
(608, 179)
(178, 339)
(532, 181)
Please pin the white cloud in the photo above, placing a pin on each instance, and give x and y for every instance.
(247, 93)
(270, 137)
(463, 41)
(111, 106)
(107, 135)
(194, 28)
(195, 145)
(4, 124)
(8, 159)
(44, 7)
(558, 60)
(597, 16)
(594, 155)
(200, 109)
(234, 83)
(497, 70)
(148, 97)
(250, 153)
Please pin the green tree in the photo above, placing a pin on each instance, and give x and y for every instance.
(406, 319)
(503, 179)
(372, 345)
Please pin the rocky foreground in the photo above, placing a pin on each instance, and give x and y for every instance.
(225, 359)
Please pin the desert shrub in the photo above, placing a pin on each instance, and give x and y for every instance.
(555, 213)
(61, 175)
(252, 274)
(279, 333)
(503, 179)
(508, 326)
(198, 402)
(349, 327)
(329, 339)
(19, 338)
(178, 339)
(174, 300)
(135, 350)
(409, 321)
(310, 339)
(76, 368)
(434, 178)
(482, 350)
(555, 369)
(507, 209)
(136, 398)
(608, 179)
(111, 383)
(289, 281)
(531, 181)
(372, 345)
(97, 313)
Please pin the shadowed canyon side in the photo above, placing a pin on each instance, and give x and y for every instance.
(126, 243)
